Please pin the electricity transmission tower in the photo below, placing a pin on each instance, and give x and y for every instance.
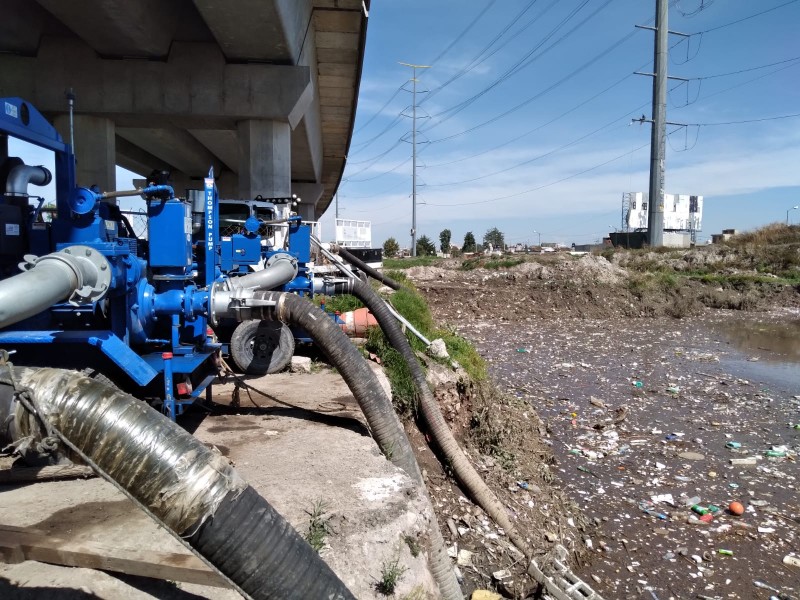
(658, 138)
(414, 154)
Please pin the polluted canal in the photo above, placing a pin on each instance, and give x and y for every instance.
(662, 430)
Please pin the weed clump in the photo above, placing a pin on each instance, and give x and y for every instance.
(391, 574)
(318, 526)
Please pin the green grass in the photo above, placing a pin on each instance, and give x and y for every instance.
(410, 303)
(343, 303)
(470, 264)
(408, 262)
(464, 354)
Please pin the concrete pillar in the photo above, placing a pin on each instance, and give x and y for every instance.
(309, 194)
(306, 211)
(95, 149)
(265, 159)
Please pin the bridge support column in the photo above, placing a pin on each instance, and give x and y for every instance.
(265, 159)
(95, 149)
(309, 194)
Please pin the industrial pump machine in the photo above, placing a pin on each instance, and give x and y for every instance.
(79, 290)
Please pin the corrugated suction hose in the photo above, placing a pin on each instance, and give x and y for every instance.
(177, 480)
(435, 422)
(376, 406)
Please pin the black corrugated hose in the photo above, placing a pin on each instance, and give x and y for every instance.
(179, 482)
(435, 421)
(357, 262)
(376, 406)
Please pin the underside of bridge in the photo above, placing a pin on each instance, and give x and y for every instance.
(263, 91)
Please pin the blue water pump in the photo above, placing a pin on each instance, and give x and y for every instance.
(93, 296)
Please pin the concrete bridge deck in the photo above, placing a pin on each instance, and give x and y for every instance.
(264, 91)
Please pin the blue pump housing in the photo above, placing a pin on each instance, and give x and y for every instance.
(150, 332)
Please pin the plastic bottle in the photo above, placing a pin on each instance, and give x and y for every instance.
(775, 453)
(700, 510)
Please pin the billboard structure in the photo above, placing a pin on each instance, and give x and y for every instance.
(353, 234)
(682, 212)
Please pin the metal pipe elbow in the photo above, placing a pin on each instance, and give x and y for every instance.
(22, 175)
(279, 270)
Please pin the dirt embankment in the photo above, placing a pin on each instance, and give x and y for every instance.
(632, 284)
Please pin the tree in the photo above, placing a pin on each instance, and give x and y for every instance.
(444, 239)
(425, 246)
(391, 248)
(469, 243)
(495, 237)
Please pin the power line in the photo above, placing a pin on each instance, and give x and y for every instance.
(740, 84)
(523, 62)
(391, 188)
(363, 145)
(780, 62)
(791, 116)
(704, 4)
(375, 158)
(473, 64)
(546, 154)
(464, 32)
(441, 54)
(758, 14)
(538, 127)
(560, 82)
(380, 110)
(552, 183)
(392, 170)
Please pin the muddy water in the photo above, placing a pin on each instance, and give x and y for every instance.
(704, 382)
(771, 348)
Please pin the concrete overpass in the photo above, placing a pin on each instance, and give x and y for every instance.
(264, 91)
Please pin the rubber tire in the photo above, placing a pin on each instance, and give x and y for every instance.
(261, 347)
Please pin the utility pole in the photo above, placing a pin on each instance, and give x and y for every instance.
(414, 154)
(658, 136)
(336, 196)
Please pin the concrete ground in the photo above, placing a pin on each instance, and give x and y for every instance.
(313, 449)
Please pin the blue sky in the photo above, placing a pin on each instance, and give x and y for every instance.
(473, 180)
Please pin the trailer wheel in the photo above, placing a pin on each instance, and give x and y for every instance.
(261, 347)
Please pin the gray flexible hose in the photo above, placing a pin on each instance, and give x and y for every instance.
(176, 480)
